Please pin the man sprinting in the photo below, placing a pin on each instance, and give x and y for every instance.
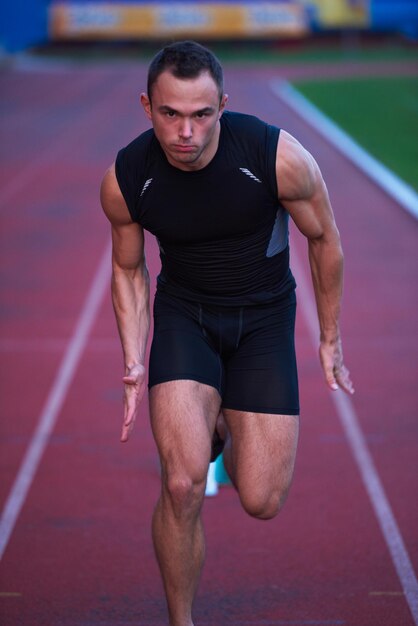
(216, 188)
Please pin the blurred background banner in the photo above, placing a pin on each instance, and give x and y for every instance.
(333, 14)
(150, 20)
(26, 23)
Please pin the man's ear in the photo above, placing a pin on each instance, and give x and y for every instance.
(146, 103)
(222, 105)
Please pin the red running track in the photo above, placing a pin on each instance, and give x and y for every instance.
(79, 550)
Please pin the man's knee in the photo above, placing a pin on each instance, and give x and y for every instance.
(264, 505)
(184, 492)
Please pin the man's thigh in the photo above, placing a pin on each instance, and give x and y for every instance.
(262, 451)
(183, 416)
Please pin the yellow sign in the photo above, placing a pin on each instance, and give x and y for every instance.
(340, 13)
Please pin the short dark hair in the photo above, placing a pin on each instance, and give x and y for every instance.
(185, 59)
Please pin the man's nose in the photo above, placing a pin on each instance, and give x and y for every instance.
(185, 130)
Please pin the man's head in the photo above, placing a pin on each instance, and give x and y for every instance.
(185, 101)
(185, 59)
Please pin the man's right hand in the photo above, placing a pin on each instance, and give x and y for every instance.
(135, 383)
(336, 374)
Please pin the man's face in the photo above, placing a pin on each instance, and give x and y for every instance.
(185, 115)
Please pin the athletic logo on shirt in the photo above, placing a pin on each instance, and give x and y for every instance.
(246, 171)
(145, 187)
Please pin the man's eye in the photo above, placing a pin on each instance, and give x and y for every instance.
(170, 114)
(200, 116)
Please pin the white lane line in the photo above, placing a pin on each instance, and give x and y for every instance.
(369, 474)
(54, 402)
(402, 193)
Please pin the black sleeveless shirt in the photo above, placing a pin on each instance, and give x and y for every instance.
(222, 233)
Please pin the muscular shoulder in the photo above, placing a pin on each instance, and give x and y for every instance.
(297, 172)
(112, 200)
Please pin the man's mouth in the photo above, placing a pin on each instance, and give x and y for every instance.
(178, 147)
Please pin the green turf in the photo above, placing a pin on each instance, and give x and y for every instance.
(341, 50)
(379, 113)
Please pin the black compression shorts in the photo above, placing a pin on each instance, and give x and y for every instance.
(246, 353)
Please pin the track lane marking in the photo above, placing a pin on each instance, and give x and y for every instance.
(386, 593)
(55, 400)
(262, 622)
(10, 594)
(400, 191)
(357, 443)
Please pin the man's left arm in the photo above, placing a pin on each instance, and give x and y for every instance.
(303, 193)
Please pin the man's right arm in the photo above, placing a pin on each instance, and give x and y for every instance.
(130, 294)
